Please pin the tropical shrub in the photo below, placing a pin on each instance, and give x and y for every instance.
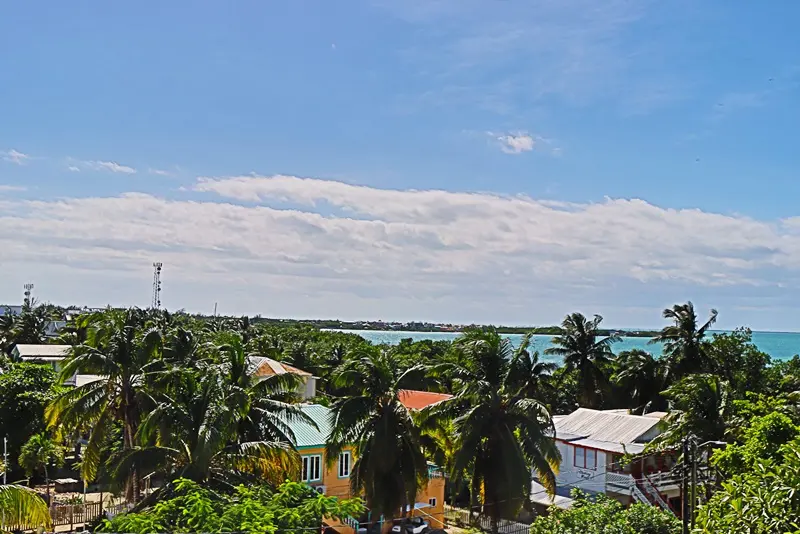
(763, 500)
(293, 507)
(604, 515)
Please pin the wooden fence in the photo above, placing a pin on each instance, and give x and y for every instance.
(76, 514)
(461, 518)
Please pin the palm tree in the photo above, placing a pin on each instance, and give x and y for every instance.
(585, 354)
(390, 466)
(532, 377)
(268, 409)
(500, 431)
(116, 350)
(192, 433)
(683, 342)
(641, 378)
(21, 506)
(37, 454)
(700, 407)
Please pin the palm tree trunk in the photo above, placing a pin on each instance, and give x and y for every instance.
(133, 492)
(47, 483)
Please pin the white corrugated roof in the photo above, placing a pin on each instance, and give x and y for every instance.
(41, 351)
(604, 426)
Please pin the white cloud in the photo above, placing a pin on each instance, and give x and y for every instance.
(519, 142)
(110, 166)
(98, 165)
(159, 172)
(14, 156)
(516, 143)
(12, 188)
(308, 238)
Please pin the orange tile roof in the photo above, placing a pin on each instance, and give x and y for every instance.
(417, 400)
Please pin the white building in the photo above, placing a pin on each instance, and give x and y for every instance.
(593, 443)
(49, 354)
(263, 367)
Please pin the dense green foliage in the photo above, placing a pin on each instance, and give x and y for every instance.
(606, 516)
(22, 506)
(764, 499)
(25, 391)
(500, 431)
(390, 466)
(177, 399)
(39, 454)
(291, 508)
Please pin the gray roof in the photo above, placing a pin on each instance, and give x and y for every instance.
(605, 428)
(308, 436)
(42, 352)
(12, 310)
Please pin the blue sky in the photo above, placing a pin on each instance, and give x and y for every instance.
(450, 160)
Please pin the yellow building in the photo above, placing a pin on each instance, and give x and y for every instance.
(334, 480)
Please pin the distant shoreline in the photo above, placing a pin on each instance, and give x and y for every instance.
(538, 331)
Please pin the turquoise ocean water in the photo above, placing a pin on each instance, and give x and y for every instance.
(779, 345)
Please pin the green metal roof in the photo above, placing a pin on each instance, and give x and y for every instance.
(308, 436)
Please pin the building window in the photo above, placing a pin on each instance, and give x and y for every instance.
(585, 458)
(344, 464)
(432, 502)
(312, 471)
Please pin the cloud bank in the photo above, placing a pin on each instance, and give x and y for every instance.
(306, 236)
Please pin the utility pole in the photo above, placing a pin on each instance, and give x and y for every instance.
(5, 477)
(694, 479)
(685, 487)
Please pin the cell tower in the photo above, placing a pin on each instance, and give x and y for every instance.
(28, 289)
(157, 285)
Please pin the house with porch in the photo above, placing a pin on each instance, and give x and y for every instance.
(334, 480)
(593, 444)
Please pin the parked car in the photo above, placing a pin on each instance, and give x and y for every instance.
(415, 525)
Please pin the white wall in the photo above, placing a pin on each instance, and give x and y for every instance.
(593, 480)
(308, 390)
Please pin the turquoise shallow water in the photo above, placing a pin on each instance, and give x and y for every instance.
(779, 345)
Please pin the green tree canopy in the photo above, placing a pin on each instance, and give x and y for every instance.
(701, 405)
(604, 515)
(499, 431)
(292, 508)
(25, 391)
(390, 466)
(762, 500)
(683, 342)
(587, 354)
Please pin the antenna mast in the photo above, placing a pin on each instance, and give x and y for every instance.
(156, 303)
(28, 289)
